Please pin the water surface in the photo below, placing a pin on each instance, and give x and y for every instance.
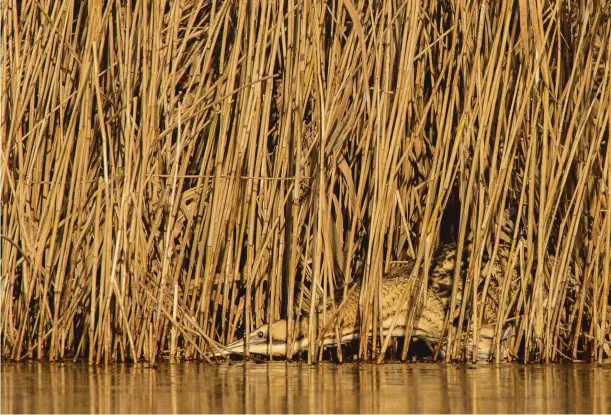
(297, 388)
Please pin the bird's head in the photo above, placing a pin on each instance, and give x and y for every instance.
(268, 339)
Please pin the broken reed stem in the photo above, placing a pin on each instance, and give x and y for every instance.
(175, 174)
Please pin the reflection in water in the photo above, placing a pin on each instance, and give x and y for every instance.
(292, 387)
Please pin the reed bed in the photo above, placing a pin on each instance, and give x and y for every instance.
(176, 173)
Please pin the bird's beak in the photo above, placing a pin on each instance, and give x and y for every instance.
(238, 347)
(256, 345)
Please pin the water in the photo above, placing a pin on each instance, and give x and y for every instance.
(292, 387)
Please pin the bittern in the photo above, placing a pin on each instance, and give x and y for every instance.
(428, 325)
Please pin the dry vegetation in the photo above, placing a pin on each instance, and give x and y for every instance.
(176, 173)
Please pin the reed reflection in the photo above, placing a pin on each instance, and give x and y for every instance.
(297, 388)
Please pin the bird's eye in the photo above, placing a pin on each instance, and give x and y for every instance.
(260, 334)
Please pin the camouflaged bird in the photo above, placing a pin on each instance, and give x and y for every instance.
(428, 322)
(499, 284)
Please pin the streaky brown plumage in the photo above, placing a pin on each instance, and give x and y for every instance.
(430, 317)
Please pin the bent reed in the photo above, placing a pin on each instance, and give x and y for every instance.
(176, 174)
